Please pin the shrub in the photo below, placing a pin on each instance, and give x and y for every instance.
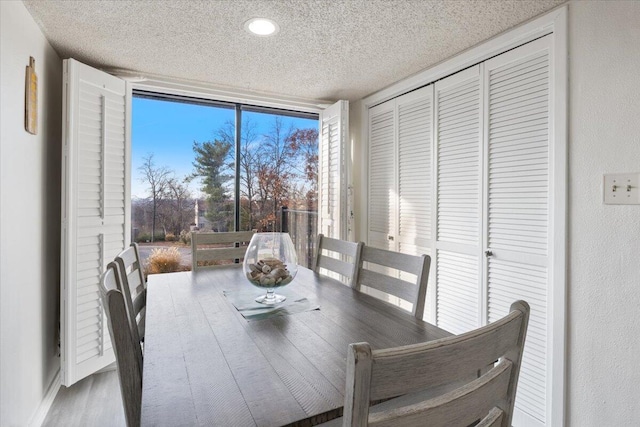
(165, 260)
(170, 237)
(146, 237)
(143, 237)
(185, 237)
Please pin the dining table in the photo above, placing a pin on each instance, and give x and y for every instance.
(214, 357)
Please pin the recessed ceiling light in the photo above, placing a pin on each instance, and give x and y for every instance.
(261, 27)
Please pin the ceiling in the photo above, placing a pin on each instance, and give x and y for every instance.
(325, 50)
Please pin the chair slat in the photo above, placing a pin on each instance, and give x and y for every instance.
(442, 361)
(232, 246)
(337, 256)
(460, 407)
(390, 285)
(418, 266)
(221, 253)
(397, 260)
(493, 419)
(336, 265)
(229, 237)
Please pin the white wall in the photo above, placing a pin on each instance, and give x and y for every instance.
(604, 240)
(29, 219)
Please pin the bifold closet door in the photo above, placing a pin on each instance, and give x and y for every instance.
(518, 206)
(413, 234)
(458, 210)
(382, 176)
(400, 175)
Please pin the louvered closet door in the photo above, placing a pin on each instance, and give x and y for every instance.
(413, 235)
(459, 201)
(518, 208)
(382, 176)
(333, 130)
(95, 215)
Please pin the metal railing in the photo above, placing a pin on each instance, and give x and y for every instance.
(302, 226)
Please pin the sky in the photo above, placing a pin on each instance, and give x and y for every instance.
(168, 129)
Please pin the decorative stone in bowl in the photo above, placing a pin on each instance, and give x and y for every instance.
(270, 262)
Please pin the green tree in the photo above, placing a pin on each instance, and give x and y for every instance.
(212, 165)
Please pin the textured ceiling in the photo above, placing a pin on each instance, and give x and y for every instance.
(325, 50)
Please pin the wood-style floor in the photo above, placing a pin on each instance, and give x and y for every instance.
(93, 402)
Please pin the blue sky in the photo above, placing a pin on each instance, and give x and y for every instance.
(168, 129)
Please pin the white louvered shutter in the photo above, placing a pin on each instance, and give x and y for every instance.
(414, 111)
(95, 216)
(334, 127)
(382, 176)
(518, 208)
(458, 119)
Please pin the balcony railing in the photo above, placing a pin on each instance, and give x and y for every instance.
(302, 226)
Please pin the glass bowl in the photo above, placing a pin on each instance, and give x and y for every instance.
(269, 263)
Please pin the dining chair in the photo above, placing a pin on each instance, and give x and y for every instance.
(338, 256)
(125, 345)
(376, 270)
(133, 288)
(407, 371)
(211, 249)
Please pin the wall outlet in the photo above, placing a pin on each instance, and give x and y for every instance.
(622, 189)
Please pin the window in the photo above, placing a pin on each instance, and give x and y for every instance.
(192, 170)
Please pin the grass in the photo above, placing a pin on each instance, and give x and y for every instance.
(164, 260)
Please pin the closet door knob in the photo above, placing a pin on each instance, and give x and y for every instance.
(488, 253)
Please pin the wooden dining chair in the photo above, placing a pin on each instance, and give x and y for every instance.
(133, 288)
(376, 270)
(125, 345)
(407, 371)
(338, 256)
(212, 249)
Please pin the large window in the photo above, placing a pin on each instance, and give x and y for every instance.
(213, 166)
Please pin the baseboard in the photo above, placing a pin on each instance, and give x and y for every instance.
(41, 413)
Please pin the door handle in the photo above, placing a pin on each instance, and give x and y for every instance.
(390, 237)
(488, 253)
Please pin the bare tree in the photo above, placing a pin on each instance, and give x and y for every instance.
(180, 209)
(157, 178)
(304, 142)
(249, 158)
(276, 169)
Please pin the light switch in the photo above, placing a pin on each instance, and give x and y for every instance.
(622, 189)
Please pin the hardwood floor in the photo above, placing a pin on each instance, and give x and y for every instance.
(95, 401)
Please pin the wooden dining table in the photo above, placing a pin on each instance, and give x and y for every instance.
(206, 364)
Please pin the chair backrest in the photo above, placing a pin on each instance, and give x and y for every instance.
(133, 288)
(211, 249)
(375, 375)
(370, 273)
(125, 345)
(339, 256)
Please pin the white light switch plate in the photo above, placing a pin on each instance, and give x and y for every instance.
(622, 189)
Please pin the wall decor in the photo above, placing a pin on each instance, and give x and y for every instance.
(31, 98)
